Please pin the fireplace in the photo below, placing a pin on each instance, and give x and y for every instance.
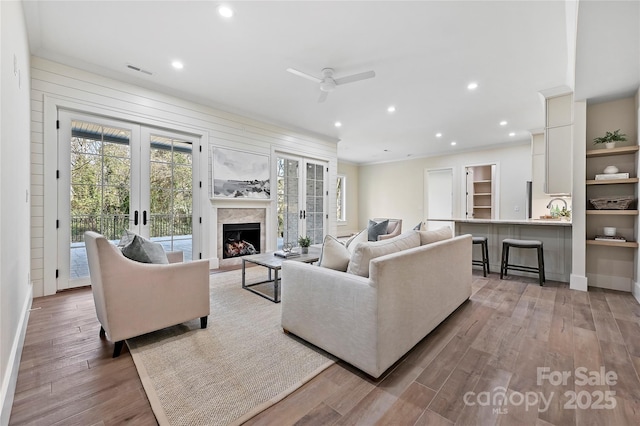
(240, 239)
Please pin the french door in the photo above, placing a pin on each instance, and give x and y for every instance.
(301, 199)
(117, 175)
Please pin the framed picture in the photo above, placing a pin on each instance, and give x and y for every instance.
(240, 174)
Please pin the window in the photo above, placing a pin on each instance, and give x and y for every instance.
(341, 210)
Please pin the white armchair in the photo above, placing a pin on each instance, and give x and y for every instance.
(134, 298)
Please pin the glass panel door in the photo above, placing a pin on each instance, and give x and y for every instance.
(95, 189)
(300, 200)
(171, 203)
(288, 201)
(315, 202)
(110, 181)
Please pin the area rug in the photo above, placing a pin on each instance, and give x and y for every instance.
(241, 364)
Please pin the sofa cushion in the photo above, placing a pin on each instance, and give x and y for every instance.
(365, 251)
(142, 250)
(428, 237)
(377, 228)
(334, 254)
(360, 237)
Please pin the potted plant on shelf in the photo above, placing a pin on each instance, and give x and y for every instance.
(610, 138)
(304, 242)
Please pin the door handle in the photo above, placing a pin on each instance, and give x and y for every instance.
(135, 218)
(304, 214)
(300, 214)
(144, 217)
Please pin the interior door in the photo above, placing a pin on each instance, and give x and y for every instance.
(114, 176)
(300, 199)
(440, 197)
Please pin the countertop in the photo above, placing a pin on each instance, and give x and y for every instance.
(544, 222)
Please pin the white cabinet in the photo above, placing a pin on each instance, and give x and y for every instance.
(558, 143)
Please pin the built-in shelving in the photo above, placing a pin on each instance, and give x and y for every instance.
(612, 151)
(611, 181)
(613, 212)
(629, 244)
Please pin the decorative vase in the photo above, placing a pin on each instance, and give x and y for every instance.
(610, 170)
(304, 250)
(610, 145)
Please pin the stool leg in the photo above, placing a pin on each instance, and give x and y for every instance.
(484, 266)
(541, 265)
(485, 255)
(502, 261)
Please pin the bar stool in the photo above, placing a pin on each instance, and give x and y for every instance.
(485, 255)
(524, 244)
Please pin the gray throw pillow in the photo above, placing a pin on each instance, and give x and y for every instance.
(377, 228)
(127, 237)
(145, 251)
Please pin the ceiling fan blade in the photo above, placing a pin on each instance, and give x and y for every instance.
(304, 75)
(323, 96)
(355, 77)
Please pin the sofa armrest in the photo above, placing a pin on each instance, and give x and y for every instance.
(175, 256)
(417, 289)
(333, 310)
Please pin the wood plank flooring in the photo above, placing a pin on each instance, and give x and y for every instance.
(492, 346)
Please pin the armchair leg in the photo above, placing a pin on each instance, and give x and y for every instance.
(203, 322)
(102, 332)
(118, 348)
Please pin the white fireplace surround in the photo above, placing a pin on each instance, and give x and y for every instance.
(228, 212)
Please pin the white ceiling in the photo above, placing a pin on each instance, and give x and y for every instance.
(424, 54)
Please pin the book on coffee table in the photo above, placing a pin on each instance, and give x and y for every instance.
(610, 238)
(286, 255)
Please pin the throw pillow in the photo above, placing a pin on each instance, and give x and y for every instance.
(127, 237)
(360, 237)
(334, 254)
(377, 228)
(419, 227)
(364, 252)
(145, 251)
(428, 237)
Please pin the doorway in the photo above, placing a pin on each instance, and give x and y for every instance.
(439, 196)
(481, 192)
(301, 199)
(115, 175)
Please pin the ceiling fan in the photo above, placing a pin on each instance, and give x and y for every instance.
(328, 83)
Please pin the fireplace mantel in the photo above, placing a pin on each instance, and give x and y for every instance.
(240, 211)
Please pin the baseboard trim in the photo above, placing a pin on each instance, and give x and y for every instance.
(11, 374)
(635, 290)
(578, 282)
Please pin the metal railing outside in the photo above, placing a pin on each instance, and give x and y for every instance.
(113, 226)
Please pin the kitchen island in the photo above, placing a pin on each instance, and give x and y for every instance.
(554, 234)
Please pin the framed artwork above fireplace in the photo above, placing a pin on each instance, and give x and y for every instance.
(240, 174)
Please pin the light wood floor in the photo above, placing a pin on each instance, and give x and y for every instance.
(498, 339)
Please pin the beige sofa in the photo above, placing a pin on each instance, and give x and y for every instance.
(371, 322)
(134, 298)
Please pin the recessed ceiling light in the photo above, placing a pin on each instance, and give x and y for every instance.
(337, 124)
(225, 11)
(512, 134)
(472, 86)
(453, 143)
(391, 109)
(177, 65)
(503, 123)
(438, 135)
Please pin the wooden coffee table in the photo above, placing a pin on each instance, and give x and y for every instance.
(273, 264)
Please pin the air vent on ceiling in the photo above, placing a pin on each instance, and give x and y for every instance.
(133, 67)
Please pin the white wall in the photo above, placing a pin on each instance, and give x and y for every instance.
(15, 288)
(54, 84)
(397, 189)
